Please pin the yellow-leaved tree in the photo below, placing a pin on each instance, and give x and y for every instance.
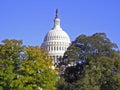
(31, 69)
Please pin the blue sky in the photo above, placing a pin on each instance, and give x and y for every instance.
(30, 20)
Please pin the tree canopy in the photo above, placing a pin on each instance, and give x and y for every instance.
(25, 68)
(90, 63)
(95, 64)
(96, 45)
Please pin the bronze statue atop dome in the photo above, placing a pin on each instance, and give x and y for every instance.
(56, 13)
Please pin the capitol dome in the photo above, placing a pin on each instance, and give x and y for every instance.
(57, 35)
(56, 41)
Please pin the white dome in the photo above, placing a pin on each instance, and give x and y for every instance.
(56, 40)
(57, 35)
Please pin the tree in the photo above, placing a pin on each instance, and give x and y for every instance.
(96, 63)
(9, 61)
(11, 49)
(84, 46)
(25, 68)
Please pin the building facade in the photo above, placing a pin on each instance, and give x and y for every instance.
(56, 41)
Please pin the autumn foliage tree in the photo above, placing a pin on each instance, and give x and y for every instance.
(25, 68)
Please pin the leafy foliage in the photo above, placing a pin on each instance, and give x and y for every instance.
(25, 68)
(95, 64)
(84, 46)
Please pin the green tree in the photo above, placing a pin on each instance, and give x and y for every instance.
(25, 68)
(11, 49)
(97, 64)
(9, 61)
(84, 46)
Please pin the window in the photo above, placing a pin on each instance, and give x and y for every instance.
(59, 48)
(51, 48)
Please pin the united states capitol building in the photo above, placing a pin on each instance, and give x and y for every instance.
(56, 41)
